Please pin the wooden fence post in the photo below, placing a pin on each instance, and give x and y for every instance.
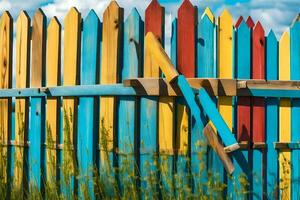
(154, 22)
(87, 111)
(22, 81)
(72, 38)
(241, 178)
(258, 109)
(6, 41)
(37, 111)
(53, 68)
(111, 58)
(128, 114)
(272, 118)
(225, 66)
(206, 68)
(284, 119)
(295, 117)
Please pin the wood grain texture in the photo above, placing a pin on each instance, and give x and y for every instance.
(6, 37)
(243, 71)
(258, 109)
(127, 110)
(295, 112)
(225, 62)
(214, 142)
(272, 118)
(72, 37)
(110, 65)
(37, 111)
(87, 112)
(53, 68)
(284, 119)
(150, 109)
(21, 106)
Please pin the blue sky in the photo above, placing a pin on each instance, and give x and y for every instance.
(275, 14)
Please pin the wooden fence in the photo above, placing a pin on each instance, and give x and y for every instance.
(54, 129)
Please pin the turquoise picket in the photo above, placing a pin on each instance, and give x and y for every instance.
(87, 110)
(174, 42)
(243, 66)
(36, 153)
(272, 118)
(295, 111)
(207, 69)
(206, 48)
(127, 109)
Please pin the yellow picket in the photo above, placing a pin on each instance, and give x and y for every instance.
(284, 118)
(111, 38)
(6, 31)
(52, 106)
(72, 35)
(21, 106)
(225, 68)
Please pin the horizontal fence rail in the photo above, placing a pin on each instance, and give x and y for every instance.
(99, 109)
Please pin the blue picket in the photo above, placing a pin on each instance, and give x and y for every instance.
(36, 136)
(206, 68)
(295, 112)
(127, 126)
(272, 118)
(243, 65)
(87, 117)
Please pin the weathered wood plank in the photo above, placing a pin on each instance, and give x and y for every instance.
(272, 118)
(6, 37)
(127, 109)
(258, 109)
(284, 119)
(72, 38)
(111, 38)
(187, 62)
(37, 111)
(295, 112)
(149, 129)
(21, 106)
(87, 112)
(53, 68)
(225, 65)
(243, 71)
(214, 142)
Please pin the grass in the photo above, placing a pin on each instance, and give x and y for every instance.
(164, 178)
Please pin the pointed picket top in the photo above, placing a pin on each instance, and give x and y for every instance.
(209, 14)
(250, 22)
(91, 16)
(54, 24)
(285, 36)
(284, 56)
(39, 14)
(112, 7)
(259, 28)
(6, 15)
(71, 15)
(296, 20)
(134, 14)
(272, 35)
(187, 5)
(243, 26)
(152, 7)
(23, 16)
(154, 16)
(225, 17)
(239, 21)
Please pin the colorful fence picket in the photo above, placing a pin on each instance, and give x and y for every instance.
(72, 119)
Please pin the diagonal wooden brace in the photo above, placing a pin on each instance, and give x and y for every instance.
(215, 144)
(173, 77)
